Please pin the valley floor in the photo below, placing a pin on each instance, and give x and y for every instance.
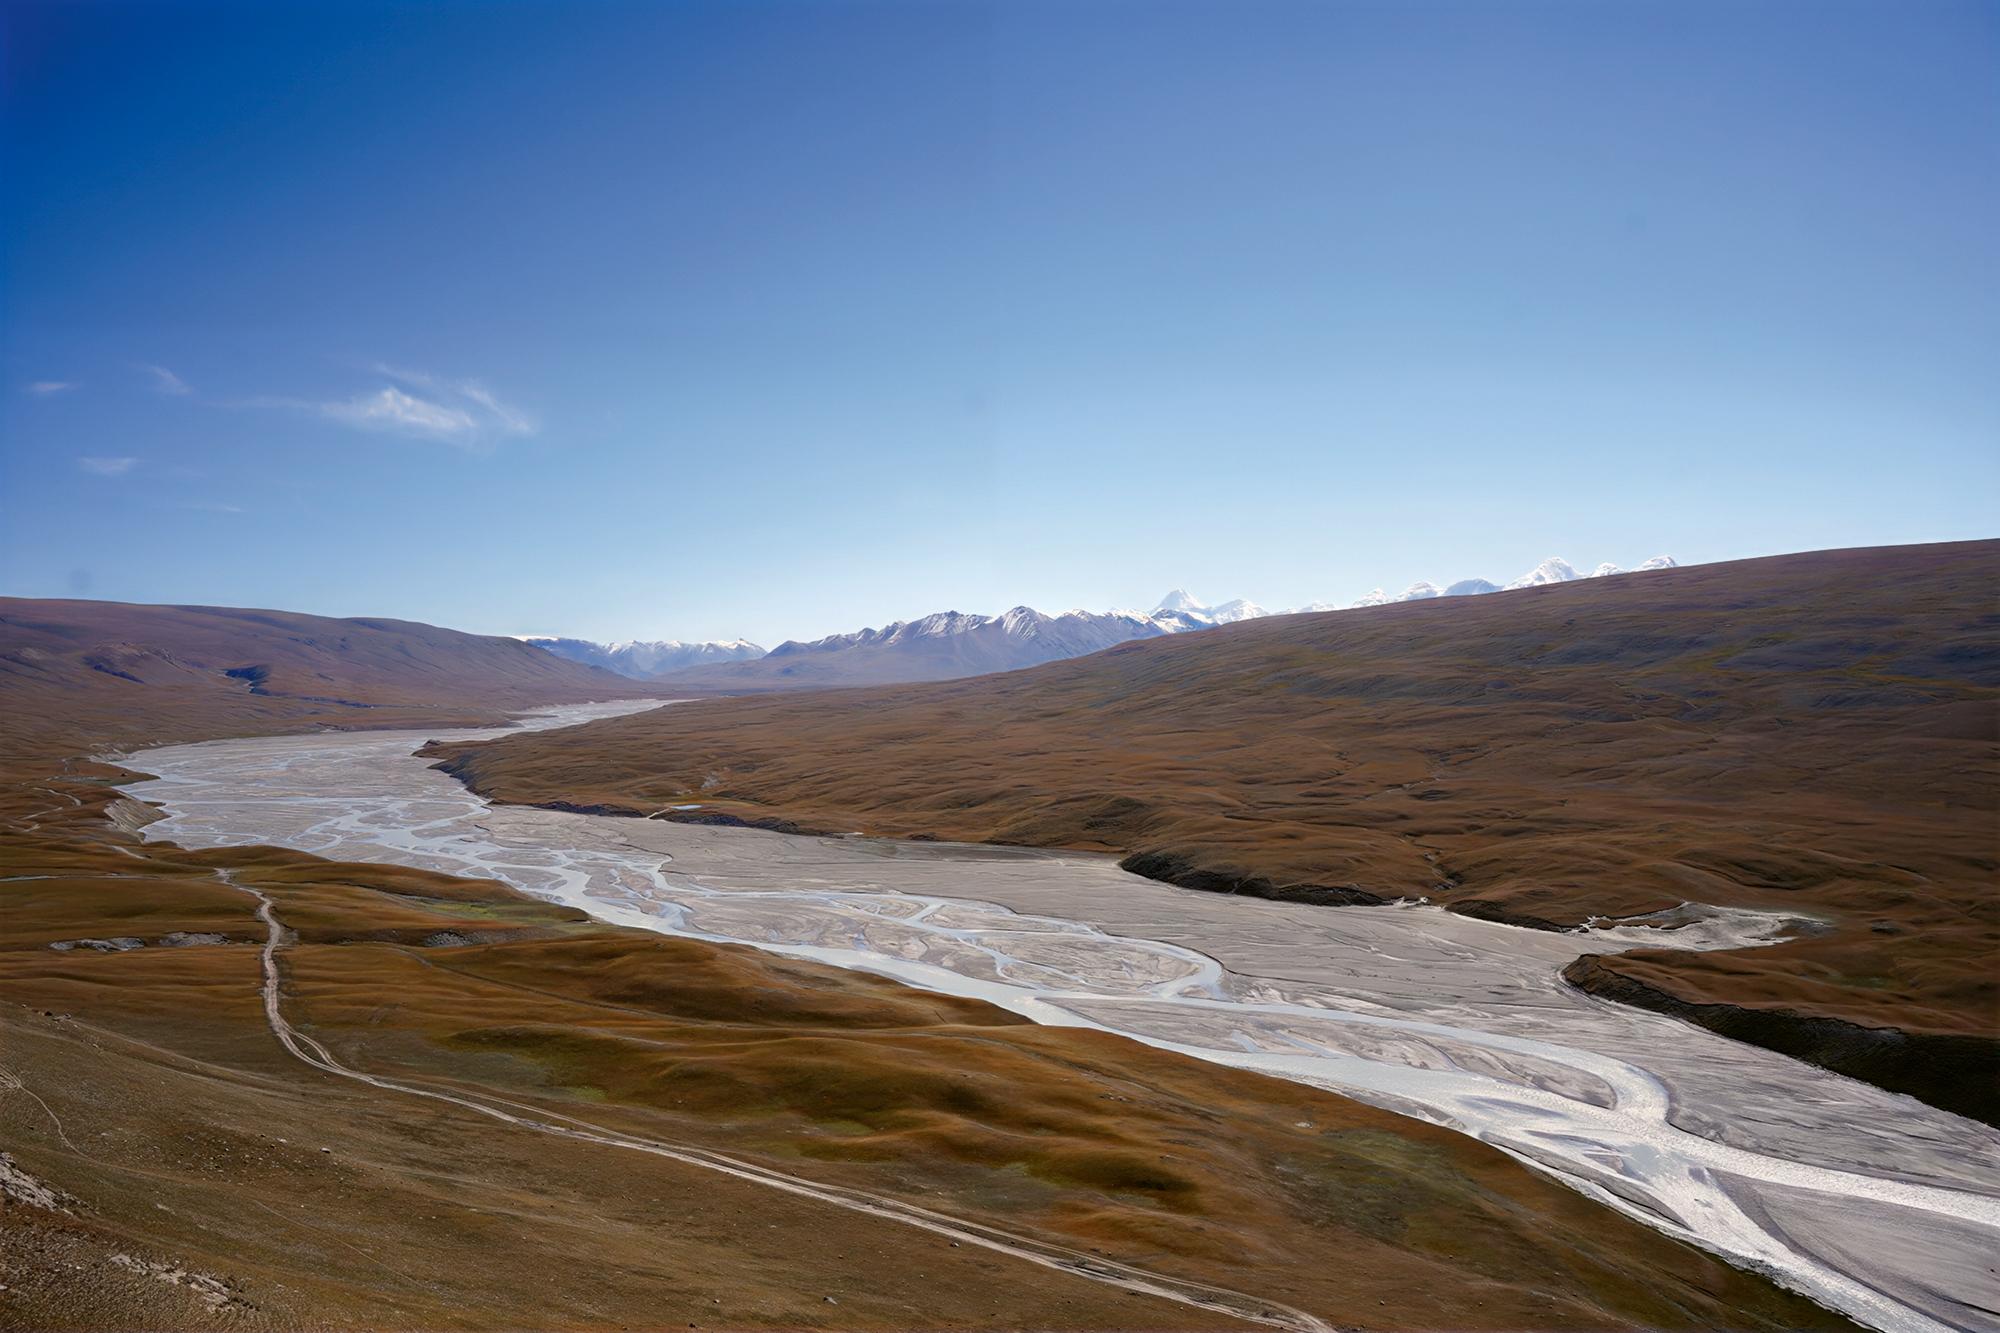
(172, 1164)
(1878, 1205)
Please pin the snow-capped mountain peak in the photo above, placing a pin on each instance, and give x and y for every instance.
(1552, 570)
(1240, 609)
(1607, 569)
(1176, 622)
(936, 625)
(643, 659)
(1180, 610)
(1024, 620)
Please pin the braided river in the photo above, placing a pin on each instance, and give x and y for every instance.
(1871, 1202)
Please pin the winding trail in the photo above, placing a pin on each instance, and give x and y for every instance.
(1046, 1254)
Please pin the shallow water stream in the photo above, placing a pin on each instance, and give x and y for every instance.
(1872, 1202)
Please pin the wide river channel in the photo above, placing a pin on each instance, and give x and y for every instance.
(1873, 1203)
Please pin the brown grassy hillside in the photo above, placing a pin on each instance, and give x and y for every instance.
(206, 1178)
(90, 674)
(1813, 733)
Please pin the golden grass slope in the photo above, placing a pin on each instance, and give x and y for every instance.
(1811, 733)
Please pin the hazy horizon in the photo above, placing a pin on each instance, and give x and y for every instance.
(708, 321)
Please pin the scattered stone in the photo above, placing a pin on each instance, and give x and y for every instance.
(180, 939)
(212, 1291)
(20, 1187)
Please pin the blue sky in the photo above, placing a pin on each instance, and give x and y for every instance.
(781, 319)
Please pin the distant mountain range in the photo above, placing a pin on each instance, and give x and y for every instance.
(953, 644)
(1180, 603)
(642, 660)
(944, 646)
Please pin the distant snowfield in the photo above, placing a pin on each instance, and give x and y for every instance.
(1874, 1203)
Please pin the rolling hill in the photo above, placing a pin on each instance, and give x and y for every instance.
(99, 674)
(1814, 734)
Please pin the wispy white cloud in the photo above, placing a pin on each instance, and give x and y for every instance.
(167, 382)
(509, 419)
(463, 413)
(470, 396)
(107, 467)
(390, 408)
(44, 388)
(211, 506)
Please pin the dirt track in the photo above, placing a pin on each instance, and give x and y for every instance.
(1217, 1300)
